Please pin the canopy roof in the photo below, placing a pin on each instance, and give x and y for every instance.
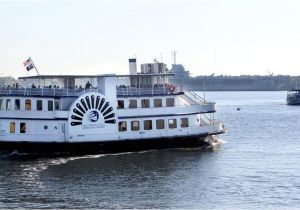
(92, 76)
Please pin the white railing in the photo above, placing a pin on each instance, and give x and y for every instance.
(208, 121)
(192, 96)
(138, 91)
(51, 92)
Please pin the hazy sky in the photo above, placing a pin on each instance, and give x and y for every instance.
(231, 37)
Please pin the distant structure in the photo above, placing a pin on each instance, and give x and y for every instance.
(181, 75)
(179, 71)
(174, 56)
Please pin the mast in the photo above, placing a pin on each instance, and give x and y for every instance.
(34, 66)
(174, 56)
(36, 70)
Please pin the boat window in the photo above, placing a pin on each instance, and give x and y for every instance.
(160, 124)
(56, 105)
(184, 122)
(120, 104)
(157, 102)
(8, 104)
(17, 104)
(39, 105)
(147, 124)
(132, 103)
(50, 105)
(122, 126)
(22, 127)
(27, 104)
(172, 123)
(1, 104)
(170, 102)
(135, 125)
(145, 103)
(12, 127)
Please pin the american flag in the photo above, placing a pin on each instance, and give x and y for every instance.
(27, 62)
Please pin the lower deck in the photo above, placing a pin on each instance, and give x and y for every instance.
(43, 131)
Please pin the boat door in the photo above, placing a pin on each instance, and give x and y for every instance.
(62, 131)
(135, 129)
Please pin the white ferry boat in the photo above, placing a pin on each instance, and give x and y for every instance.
(104, 113)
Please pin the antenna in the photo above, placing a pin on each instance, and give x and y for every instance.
(269, 72)
(174, 56)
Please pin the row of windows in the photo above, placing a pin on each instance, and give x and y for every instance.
(12, 127)
(148, 124)
(135, 125)
(145, 103)
(22, 127)
(7, 104)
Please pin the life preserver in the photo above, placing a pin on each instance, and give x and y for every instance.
(172, 88)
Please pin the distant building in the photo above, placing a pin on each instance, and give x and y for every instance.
(181, 75)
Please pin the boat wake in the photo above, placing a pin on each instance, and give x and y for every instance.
(218, 142)
(40, 165)
(11, 154)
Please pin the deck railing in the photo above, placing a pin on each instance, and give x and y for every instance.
(192, 96)
(60, 92)
(51, 92)
(139, 91)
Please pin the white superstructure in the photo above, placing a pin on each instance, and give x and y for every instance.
(104, 108)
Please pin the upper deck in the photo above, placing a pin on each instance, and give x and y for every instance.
(75, 85)
(121, 91)
(152, 80)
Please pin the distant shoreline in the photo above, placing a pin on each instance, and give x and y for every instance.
(240, 83)
(224, 83)
(242, 90)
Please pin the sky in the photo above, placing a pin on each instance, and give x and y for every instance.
(224, 37)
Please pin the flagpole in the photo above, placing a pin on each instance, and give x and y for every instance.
(36, 70)
(34, 66)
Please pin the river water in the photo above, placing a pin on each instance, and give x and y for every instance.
(257, 166)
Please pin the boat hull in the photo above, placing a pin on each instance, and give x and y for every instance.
(293, 101)
(106, 147)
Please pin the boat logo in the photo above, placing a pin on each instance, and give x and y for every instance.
(94, 116)
(89, 108)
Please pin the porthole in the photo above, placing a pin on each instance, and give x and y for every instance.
(45, 127)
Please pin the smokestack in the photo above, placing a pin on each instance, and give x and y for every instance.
(132, 66)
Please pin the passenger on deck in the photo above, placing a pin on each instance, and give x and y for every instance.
(33, 86)
(88, 85)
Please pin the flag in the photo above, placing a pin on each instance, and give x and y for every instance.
(27, 62)
(29, 67)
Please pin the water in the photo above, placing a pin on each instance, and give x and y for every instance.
(258, 166)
